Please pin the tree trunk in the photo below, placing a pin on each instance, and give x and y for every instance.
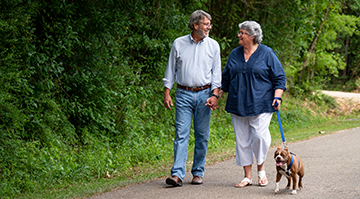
(355, 71)
(313, 45)
(347, 44)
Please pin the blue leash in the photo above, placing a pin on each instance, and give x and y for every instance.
(281, 129)
(279, 120)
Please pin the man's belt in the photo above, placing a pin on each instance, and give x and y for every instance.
(195, 89)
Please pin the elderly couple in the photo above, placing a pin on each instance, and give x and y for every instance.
(254, 80)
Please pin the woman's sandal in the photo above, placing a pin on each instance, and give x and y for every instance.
(262, 178)
(241, 184)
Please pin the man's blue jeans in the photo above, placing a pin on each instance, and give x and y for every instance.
(189, 103)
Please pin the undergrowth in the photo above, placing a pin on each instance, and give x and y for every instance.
(36, 170)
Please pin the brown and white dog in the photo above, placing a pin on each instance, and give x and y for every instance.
(289, 165)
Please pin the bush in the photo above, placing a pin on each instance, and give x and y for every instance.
(78, 97)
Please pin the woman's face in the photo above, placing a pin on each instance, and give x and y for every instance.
(244, 38)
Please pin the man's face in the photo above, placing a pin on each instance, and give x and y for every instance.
(203, 28)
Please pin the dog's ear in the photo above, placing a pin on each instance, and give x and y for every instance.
(279, 148)
(286, 149)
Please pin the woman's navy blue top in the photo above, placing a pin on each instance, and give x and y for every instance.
(251, 84)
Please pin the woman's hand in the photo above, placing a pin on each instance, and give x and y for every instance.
(277, 99)
(276, 104)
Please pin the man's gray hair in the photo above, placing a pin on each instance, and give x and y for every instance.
(196, 17)
(253, 29)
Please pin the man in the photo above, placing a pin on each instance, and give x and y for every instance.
(195, 65)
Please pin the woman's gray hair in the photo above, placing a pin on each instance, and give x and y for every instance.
(253, 29)
(196, 17)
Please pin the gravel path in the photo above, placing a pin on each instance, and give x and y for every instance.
(331, 171)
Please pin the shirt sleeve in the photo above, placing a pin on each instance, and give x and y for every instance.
(278, 76)
(169, 76)
(225, 82)
(216, 70)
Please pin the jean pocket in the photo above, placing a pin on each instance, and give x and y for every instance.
(207, 92)
(180, 91)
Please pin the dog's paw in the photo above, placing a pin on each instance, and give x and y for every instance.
(301, 186)
(287, 187)
(294, 192)
(277, 187)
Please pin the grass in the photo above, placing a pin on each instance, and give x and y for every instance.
(301, 120)
(146, 173)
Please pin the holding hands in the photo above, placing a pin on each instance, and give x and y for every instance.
(212, 102)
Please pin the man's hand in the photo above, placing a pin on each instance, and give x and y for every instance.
(212, 103)
(167, 99)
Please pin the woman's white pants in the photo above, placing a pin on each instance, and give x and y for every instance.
(252, 138)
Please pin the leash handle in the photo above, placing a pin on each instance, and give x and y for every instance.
(278, 98)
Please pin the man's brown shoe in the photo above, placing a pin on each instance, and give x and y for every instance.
(197, 180)
(174, 181)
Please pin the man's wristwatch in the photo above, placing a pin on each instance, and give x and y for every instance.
(215, 96)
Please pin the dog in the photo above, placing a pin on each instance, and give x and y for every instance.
(289, 165)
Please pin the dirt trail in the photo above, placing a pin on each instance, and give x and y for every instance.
(344, 96)
(349, 102)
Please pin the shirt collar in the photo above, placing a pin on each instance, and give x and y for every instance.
(193, 41)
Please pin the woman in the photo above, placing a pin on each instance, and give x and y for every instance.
(255, 81)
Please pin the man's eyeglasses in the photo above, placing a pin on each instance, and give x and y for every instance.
(242, 33)
(207, 24)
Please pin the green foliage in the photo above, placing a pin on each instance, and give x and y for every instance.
(78, 88)
(81, 93)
